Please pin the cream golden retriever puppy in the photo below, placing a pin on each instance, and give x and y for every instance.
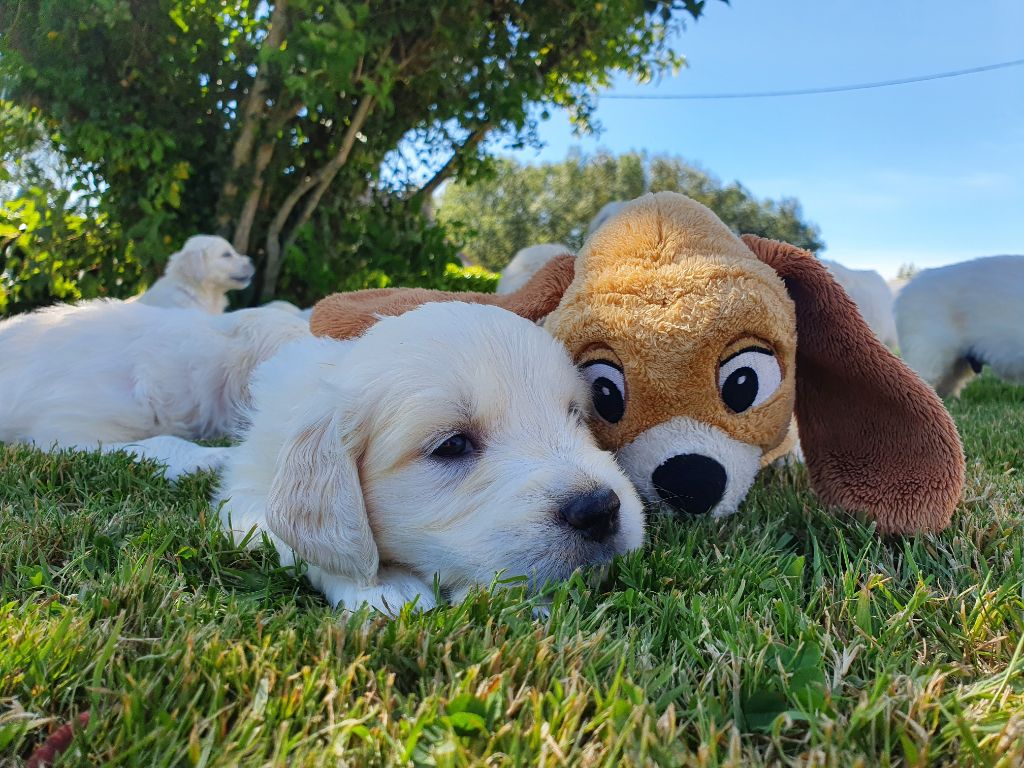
(526, 263)
(448, 441)
(200, 275)
(873, 298)
(111, 372)
(954, 320)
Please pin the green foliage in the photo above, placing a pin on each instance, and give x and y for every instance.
(907, 271)
(477, 279)
(175, 117)
(48, 253)
(386, 243)
(786, 634)
(521, 205)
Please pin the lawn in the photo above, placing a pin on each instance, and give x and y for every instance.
(786, 634)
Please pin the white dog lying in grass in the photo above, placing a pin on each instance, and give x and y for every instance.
(114, 372)
(199, 275)
(953, 320)
(448, 441)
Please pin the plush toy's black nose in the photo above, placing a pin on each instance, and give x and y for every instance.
(690, 483)
(594, 514)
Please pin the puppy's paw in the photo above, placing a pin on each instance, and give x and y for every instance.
(399, 587)
(180, 456)
(393, 590)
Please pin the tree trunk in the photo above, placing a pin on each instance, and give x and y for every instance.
(243, 229)
(318, 183)
(255, 106)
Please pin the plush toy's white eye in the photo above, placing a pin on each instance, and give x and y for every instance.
(607, 388)
(748, 378)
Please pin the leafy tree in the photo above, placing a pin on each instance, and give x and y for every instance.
(519, 205)
(907, 271)
(271, 122)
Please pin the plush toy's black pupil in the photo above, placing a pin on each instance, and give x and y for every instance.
(740, 389)
(607, 399)
(456, 445)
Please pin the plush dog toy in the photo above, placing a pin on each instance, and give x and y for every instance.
(700, 347)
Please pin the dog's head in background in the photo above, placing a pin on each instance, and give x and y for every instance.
(450, 440)
(211, 262)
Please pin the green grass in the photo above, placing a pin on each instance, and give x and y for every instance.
(783, 635)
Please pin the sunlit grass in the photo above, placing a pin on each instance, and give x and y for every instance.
(785, 634)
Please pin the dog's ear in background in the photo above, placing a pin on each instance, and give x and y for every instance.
(347, 315)
(189, 264)
(876, 438)
(316, 501)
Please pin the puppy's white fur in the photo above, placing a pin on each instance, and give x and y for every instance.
(608, 210)
(949, 316)
(526, 263)
(338, 464)
(199, 275)
(872, 296)
(108, 371)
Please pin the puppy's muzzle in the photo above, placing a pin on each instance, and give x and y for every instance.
(690, 483)
(594, 514)
(244, 275)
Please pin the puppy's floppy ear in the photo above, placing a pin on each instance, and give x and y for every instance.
(316, 501)
(189, 264)
(876, 438)
(347, 315)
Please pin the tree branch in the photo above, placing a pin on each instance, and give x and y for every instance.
(475, 137)
(318, 183)
(255, 104)
(275, 122)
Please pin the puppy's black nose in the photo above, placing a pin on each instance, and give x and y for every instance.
(690, 483)
(594, 514)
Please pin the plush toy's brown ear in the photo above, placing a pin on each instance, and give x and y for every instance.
(347, 315)
(876, 438)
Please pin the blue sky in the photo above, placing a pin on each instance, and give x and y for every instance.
(928, 173)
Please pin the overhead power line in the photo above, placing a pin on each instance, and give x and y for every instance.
(810, 91)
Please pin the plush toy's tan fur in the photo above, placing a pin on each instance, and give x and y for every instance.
(666, 294)
(666, 291)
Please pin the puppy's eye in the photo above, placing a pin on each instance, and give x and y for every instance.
(607, 389)
(454, 446)
(748, 378)
(227, 255)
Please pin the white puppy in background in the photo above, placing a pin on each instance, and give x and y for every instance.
(607, 211)
(526, 263)
(448, 441)
(953, 320)
(199, 275)
(112, 372)
(872, 296)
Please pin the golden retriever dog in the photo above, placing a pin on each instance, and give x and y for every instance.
(447, 442)
(111, 372)
(200, 275)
